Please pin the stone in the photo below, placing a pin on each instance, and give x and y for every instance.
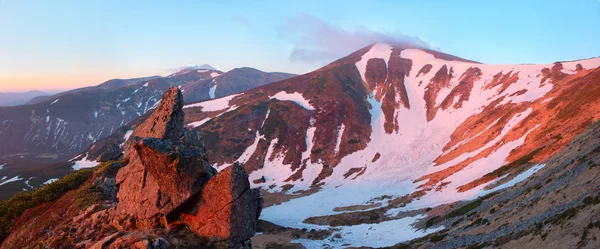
(167, 164)
(179, 171)
(228, 208)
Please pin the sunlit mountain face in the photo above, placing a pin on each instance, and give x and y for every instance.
(390, 125)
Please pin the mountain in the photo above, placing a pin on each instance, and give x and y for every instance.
(18, 98)
(38, 139)
(68, 122)
(163, 195)
(383, 136)
(234, 81)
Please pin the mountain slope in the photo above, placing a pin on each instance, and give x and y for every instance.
(390, 123)
(37, 128)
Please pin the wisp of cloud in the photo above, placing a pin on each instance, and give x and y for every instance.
(318, 42)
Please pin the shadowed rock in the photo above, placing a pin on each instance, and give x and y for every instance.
(112, 153)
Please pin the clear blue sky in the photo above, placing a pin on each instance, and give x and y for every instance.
(57, 44)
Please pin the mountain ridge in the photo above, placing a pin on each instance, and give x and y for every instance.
(382, 137)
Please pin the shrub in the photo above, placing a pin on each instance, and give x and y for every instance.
(437, 237)
(469, 206)
(431, 221)
(12, 208)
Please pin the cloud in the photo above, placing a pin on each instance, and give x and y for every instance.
(191, 67)
(316, 41)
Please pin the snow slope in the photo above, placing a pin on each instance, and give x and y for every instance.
(409, 153)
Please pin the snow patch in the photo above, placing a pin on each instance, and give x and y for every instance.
(14, 179)
(84, 163)
(250, 150)
(27, 182)
(50, 181)
(2, 166)
(198, 123)
(571, 66)
(54, 102)
(127, 135)
(383, 234)
(211, 91)
(295, 97)
(379, 50)
(519, 178)
(266, 117)
(213, 105)
(339, 138)
(547, 100)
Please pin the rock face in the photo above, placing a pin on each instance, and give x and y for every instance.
(226, 197)
(141, 193)
(166, 122)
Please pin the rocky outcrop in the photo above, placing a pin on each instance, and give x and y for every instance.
(163, 194)
(143, 193)
(161, 177)
(166, 176)
(226, 197)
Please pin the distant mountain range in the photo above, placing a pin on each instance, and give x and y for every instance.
(19, 98)
(53, 129)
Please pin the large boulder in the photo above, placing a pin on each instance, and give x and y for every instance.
(168, 178)
(167, 164)
(228, 208)
(179, 171)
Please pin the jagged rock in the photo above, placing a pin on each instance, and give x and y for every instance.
(166, 122)
(163, 171)
(228, 208)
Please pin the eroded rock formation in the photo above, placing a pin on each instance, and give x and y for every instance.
(168, 175)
